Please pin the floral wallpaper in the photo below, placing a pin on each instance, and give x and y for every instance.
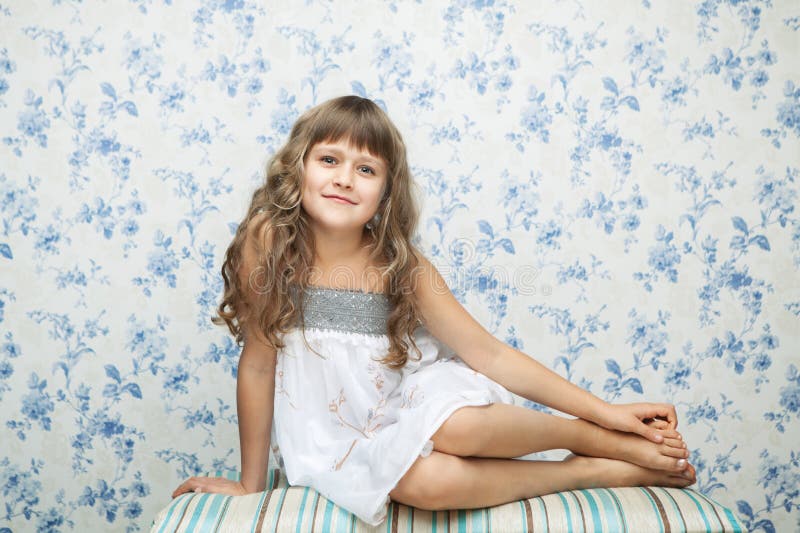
(612, 187)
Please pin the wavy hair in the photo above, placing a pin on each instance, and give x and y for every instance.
(286, 242)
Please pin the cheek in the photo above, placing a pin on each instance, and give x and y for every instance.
(375, 196)
(378, 191)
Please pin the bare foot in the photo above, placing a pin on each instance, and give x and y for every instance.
(608, 473)
(669, 456)
(676, 441)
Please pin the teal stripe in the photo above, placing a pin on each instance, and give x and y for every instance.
(523, 518)
(316, 502)
(462, 522)
(302, 511)
(185, 496)
(595, 511)
(278, 507)
(389, 512)
(477, 519)
(699, 508)
(546, 522)
(343, 520)
(737, 527)
(197, 510)
(675, 506)
(326, 521)
(223, 514)
(566, 511)
(433, 519)
(655, 509)
(611, 511)
(258, 509)
(620, 509)
(410, 520)
(213, 512)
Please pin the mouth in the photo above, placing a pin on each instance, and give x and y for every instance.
(339, 199)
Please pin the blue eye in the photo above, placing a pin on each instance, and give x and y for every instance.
(327, 159)
(367, 170)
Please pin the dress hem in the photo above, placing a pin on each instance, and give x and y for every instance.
(484, 399)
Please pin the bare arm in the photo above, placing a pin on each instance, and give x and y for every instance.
(255, 382)
(448, 321)
(255, 388)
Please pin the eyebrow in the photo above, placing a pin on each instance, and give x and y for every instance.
(363, 155)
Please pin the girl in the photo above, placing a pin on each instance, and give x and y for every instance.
(350, 339)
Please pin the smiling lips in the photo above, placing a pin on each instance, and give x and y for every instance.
(340, 199)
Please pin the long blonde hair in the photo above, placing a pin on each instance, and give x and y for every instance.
(286, 250)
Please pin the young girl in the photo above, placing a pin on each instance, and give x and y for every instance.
(374, 381)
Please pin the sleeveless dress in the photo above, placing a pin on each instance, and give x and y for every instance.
(349, 426)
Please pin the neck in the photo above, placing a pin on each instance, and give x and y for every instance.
(334, 249)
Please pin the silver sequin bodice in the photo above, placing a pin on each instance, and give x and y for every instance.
(345, 310)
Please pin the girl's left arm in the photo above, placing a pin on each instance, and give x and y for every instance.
(448, 321)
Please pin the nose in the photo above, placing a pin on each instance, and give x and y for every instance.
(344, 177)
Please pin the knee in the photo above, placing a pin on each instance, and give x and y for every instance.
(463, 433)
(431, 483)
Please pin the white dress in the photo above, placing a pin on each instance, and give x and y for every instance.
(349, 426)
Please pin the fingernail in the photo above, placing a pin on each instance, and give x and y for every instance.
(681, 462)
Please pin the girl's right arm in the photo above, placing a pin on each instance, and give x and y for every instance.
(255, 388)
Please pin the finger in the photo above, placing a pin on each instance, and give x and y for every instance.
(663, 412)
(666, 412)
(649, 433)
(182, 489)
(656, 423)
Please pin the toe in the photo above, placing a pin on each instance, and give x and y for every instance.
(675, 443)
(678, 453)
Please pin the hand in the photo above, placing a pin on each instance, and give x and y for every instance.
(646, 419)
(217, 485)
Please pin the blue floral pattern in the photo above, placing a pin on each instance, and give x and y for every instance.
(612, 188)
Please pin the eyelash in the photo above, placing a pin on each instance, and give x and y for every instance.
(328, 160)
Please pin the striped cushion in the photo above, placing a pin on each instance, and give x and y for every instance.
(295, 509)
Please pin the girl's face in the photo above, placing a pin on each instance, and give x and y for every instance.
(342, 185)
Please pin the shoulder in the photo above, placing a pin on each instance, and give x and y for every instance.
(433, 297)
(427, 281)
(257, 239)
(252, 273)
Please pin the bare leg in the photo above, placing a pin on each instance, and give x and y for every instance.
(505, 431)
(443, 481)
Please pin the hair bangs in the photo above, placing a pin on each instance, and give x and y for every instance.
(360, 123)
